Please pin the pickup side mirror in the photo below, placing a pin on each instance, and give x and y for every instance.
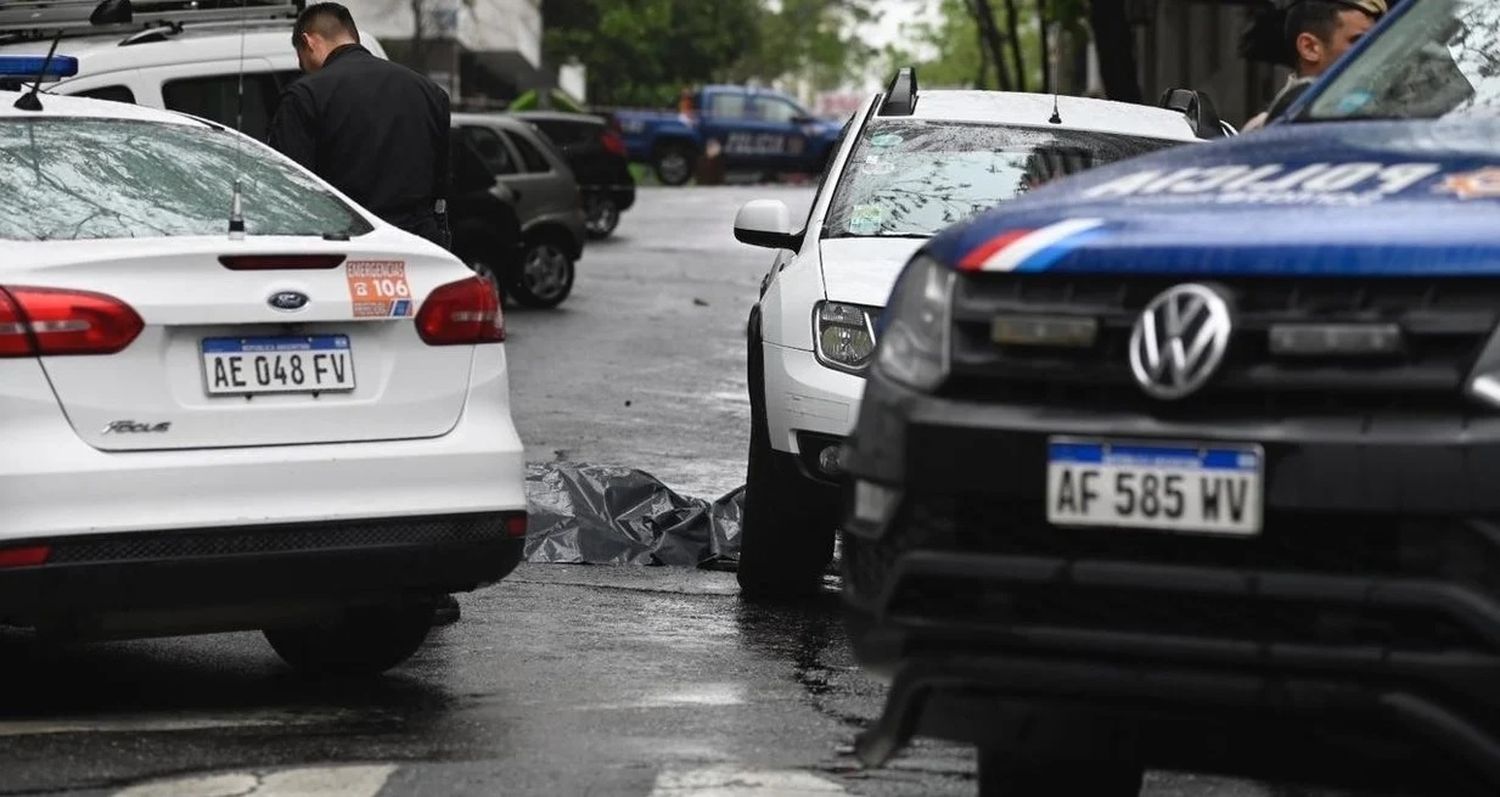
(766, 223)
(1199, 109)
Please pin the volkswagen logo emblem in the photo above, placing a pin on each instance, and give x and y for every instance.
(1179, 341)
(287, 300)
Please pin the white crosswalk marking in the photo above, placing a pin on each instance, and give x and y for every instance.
(340, 781)
(729, 780)
(146, 723)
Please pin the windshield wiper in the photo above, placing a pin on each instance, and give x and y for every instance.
(922, 235)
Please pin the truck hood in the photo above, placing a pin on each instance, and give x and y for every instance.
(1359, 198)
(863, 270)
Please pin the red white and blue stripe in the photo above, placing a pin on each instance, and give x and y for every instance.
(1031, 249)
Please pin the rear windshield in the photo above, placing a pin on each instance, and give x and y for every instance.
(70, 179)
(1437, 59)
(913, 178)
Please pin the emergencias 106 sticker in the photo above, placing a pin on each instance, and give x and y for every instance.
(378, 288)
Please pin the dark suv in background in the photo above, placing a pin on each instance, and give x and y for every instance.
(596, 153)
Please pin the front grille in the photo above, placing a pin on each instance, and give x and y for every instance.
(1445, 324)
(1460, 550)
(280, 539)
(1463, 552)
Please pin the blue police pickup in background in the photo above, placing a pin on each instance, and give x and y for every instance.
(1191, 462)
(751, 129)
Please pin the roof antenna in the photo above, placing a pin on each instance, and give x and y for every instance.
(1056, 111)
(29, 100)
(236, 199)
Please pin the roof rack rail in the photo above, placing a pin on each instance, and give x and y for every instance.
(1199, 109)
(41, 18)
(901, 95)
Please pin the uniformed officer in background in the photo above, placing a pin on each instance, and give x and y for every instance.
(377, 131)
(1318, 34)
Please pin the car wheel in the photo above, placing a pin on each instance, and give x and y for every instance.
(674, 164)
(1003, 776)
(364, 641)
(601, 217)
(787, 531)
(546, 276)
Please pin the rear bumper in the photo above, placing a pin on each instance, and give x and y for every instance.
(52, 484)
(1367, 613)
(182, 581)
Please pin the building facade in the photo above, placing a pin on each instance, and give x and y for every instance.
(481, 51)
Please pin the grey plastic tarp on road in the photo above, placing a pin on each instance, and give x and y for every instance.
(596, 514)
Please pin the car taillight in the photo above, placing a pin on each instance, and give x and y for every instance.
(30, 556)
(612, 142)
(51, 321)
(515, 525)
(461, 312)
(15, 338)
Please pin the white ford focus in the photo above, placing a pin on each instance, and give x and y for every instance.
(907, 167)
(303, 429)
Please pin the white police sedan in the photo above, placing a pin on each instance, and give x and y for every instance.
(303, 427)
(908, 166)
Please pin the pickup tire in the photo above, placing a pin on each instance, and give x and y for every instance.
(786, 535)
(674, 163)
(364, 641)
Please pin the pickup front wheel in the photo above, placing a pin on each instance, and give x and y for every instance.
(674, 164)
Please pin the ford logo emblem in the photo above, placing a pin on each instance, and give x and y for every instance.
(288, 300)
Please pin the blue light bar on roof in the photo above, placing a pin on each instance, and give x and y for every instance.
(29, 67)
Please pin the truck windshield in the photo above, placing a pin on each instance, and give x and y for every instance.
(70, 179)
(913, 178)
(1436, 60)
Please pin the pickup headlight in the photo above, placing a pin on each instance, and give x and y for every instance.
(844, 335)
(914, 343)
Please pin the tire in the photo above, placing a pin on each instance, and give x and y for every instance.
(601, 215)
(786, 536)
(1003, 776)
(365, 641)
(674, 164)
(545, 277)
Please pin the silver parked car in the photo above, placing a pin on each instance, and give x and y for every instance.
(546, 198)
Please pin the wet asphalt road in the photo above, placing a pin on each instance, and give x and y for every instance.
(562, 679)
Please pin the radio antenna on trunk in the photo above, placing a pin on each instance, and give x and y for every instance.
(236, 199)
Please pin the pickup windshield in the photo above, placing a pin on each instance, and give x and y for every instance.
(71, 179)
(913, 178)
(1436, 60)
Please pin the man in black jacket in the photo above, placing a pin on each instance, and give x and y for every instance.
(376, 130)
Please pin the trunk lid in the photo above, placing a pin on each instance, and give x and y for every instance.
(160, 391)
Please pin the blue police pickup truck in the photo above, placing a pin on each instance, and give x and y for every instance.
(1192, 462)
(752, 129)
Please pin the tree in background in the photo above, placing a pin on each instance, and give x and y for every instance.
(1004, 44)
(643, 52)
(813, 40)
